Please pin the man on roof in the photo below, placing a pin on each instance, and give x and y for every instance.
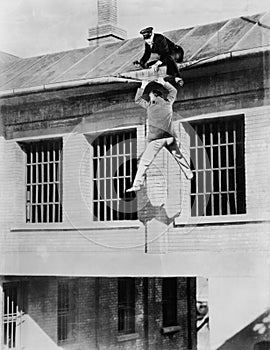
(169, 53)
(160, 129)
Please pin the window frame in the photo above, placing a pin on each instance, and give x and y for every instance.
(171, 301)
(51, 212)
(69, 314)
(125, 198)
(126, 305)
(238, 171)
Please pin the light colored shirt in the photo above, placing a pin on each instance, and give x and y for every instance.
(160, 113)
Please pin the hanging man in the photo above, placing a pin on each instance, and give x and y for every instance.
(169, 53)
(160, 130)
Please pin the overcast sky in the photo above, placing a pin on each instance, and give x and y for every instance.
(34, 27)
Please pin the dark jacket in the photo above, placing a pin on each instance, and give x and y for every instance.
(163, 46)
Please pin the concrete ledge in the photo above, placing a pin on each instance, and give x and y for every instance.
(171, 329)
(126, 337)
(106, 225)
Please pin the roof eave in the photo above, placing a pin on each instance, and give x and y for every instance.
(127, 77)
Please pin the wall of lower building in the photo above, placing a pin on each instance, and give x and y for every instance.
(239, 312)
(95, 315)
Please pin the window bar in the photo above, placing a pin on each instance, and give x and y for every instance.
(31, 182)
(58, 175)
(42, 182)
(125, 140)
(212, 167)
(204, 170)
(219, 170)
(111, 177)
(105, 179)
(37, 186)
(234, 164)
(97, 176)
(196, 169)
(227, 168)
(54, 181)
(12, 318)
(117, 167)
(48, 184)
(19, 322)
(8, 318)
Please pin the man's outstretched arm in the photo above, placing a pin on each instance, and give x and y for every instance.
(138, 98)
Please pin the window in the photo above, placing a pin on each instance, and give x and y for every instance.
(43, 181)
(126, 305)
(217, 157)
(13, 306)
(169, 301)
(65, 312)
(115, 165)
(11, 312)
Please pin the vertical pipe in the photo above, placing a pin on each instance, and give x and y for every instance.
(146, 311)
(97, 325)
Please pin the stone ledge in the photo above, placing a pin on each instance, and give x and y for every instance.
(171, 329)
(126, 337)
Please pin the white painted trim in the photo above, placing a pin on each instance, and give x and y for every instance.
(230, 113)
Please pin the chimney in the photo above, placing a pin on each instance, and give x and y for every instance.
(107, 30)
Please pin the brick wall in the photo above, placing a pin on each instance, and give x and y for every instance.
(95, 315)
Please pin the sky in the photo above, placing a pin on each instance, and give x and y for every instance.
(35, 27)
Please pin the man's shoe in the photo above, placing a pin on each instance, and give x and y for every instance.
(134, 188)
(179, 81)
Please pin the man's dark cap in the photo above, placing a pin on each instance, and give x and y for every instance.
(146, 32)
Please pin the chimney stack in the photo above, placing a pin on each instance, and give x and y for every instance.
(107, 30)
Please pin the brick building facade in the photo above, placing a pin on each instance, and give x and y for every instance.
(70, 138)
(96, 313)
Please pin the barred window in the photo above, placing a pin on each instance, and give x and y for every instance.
(126, 305)
(115, 165)
(217, 158)
(169, 301)
(11, 314)
(43, 181)
(65, 310)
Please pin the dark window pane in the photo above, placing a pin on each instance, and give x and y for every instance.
(216, 180)
(200, 176)
(208, 181)
(216, 204)
(223, 156)
(208, 199)
(215, 157)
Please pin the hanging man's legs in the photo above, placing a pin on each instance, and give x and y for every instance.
(147, 158)
(174, 149)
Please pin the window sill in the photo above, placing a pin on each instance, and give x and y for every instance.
(238, 219)
(127, 337)
(94, 226)
(171, 329)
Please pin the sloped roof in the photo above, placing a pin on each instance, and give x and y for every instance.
(7, 59)
(199, 42)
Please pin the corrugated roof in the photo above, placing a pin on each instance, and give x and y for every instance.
(7, 59)
(199, 42)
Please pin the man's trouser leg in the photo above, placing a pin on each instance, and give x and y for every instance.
(174, 149)
(147, 158)
(172, 68)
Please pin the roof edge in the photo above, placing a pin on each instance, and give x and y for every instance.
(127, 77)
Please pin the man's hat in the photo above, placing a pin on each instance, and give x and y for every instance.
(147, 32)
